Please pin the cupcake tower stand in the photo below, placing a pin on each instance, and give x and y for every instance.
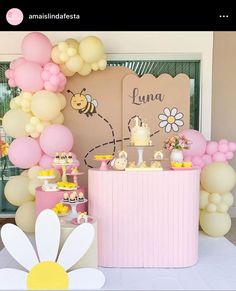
(140, 151)
(73, 205)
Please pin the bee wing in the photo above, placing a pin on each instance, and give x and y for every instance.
(95, 103)
(88, 97)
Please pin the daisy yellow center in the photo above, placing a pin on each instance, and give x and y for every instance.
(47, 276)
(171, 119)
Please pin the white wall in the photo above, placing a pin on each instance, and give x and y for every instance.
(164, 45)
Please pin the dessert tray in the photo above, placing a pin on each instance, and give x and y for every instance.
(143, 169)
(181, 168)
(67, 188)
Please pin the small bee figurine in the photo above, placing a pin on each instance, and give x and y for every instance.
(85, 104)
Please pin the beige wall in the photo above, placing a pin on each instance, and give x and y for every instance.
(224, 89)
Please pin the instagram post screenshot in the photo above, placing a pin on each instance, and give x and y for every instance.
(117, 146)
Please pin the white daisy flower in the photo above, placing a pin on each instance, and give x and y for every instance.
(171, 119)
(46, 269)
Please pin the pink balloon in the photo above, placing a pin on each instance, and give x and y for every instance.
(223, 141)
(36, 47)
(212, 147)
(54, 79)
(24, 152)
(223, 147)
(229, 155)
(17, 62)
(28, 77)
(206, 159)
(198, 161)
(56, 138)
(12, 83)
(232, 146)
(198, 145)
(46, 162)
(218, 157)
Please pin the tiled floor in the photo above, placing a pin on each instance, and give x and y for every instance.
(231, 235)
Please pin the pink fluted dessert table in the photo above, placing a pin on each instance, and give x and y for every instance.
(145, 219)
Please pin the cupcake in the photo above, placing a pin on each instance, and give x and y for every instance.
(65, 197)
(81, 197)
(69, 158)
(73, 197)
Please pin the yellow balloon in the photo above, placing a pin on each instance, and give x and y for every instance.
(215, 198)
(16, 190)
(34, 120)
(102, 64)
(45, 105)
(33, 172)
(14, 122)
(59, 119)
(33, 184)
(24, 173)
(228, 198)
(222, 207)
(203, 199)
(215, 224)
(13, 104)
(66, 71)
(94, 66)
(62, 100)
(218, 177)
(25, 216)
(86, 70)
(63, 46)
(72, 43)
(55, 55)
(211, 207)
(75, 64)
(30, 127)
(91, 49)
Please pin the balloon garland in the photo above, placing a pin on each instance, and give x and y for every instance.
(35, 117)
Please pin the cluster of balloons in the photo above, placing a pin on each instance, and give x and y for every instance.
(217, 180)
(82, 57)
(203, 152)
(20, 191)
(35, 71)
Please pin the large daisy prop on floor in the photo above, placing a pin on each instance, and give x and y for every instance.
(171, 119)
(46, 269)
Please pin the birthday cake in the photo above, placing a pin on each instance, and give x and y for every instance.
(140, 134)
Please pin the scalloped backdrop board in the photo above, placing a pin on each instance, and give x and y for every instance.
(155, 100)
(100, 105)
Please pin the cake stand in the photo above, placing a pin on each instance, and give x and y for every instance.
(140, 151)
(45, 185)
(75, 177)
(73, 205)
(64, 168)
(103, 166)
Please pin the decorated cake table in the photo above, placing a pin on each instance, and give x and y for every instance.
(146, 219)
(47, 200)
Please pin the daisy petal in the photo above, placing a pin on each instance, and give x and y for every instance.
(80, 240)
(163, 123)
(168, 127)
(179, 122)
(167, 111)
(179, 116)
(162, 117)
(173, 111)
(175, 127)
(12, 279)
(86, 278)
(47, 235)
(19, 246)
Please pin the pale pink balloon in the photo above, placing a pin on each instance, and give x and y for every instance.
(36, 47)
(28, 77)
(24, 152)
(54, 79)
(198, 145)
(229, 155)
(198, 161)
(56, 138)
(232, 146)
(46, 162)
(207, 159)
(17, 62)
(212, 147)
(12, 83)
(223, 147)
(219, 157)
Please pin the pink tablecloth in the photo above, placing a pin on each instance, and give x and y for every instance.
(146, 219)
(47, 200)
